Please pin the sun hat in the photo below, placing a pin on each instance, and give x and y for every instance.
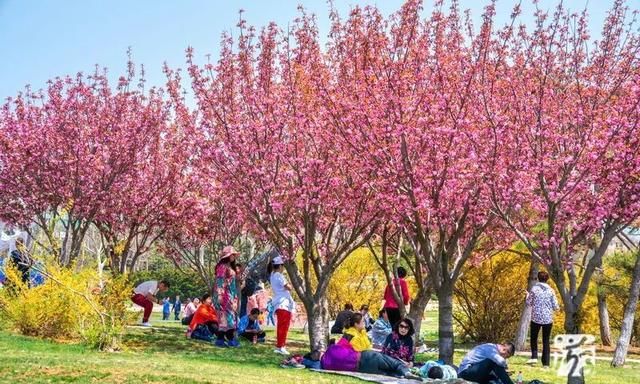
(229, 251)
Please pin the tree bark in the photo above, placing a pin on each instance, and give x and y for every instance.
(418, 306)
(525, 316)
(622, 346)
(603, 316)
(318, 321)
(445, 323)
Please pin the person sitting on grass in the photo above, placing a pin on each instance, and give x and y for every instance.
(356, 334)
(380, 330)
(487, 363)
(204, 323)
(249, 327)
(368, 321)
(341, 356)
(341, 319)
(144, 295)
(399, 343)
(189, 310)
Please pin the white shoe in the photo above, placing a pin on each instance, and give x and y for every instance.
(281, 351)
(422, 349)
(532, 361)
(147, 324)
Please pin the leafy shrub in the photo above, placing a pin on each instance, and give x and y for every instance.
(70, 305)
(489, 298)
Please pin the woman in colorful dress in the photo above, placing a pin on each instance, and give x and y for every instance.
(226, 298)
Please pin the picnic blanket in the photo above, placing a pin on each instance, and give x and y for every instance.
(388, 379)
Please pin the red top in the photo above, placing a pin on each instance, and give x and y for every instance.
(203, 314)
(389, 301)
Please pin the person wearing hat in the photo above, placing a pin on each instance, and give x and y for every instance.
(226, 298)
(282, 302)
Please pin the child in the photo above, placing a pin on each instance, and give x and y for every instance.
(436, 370)
(270, 311)
(249, 327)
(177, 307)
(166, 308)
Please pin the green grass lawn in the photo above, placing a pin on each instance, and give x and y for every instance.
(164, 355)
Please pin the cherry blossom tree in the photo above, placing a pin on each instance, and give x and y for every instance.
(564, 193)
(275, 155)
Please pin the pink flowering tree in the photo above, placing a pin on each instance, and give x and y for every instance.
(275, 153)
(67, 151)
(413, 85)
(565, 192)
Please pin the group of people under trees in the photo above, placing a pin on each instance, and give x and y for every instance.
(384, 346)
(218, 317)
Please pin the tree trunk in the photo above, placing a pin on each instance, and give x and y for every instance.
(622, 346)
(418, 306)
(571, 315)
(603, 316)
(445, 323)
(525, 316)
(318, 321)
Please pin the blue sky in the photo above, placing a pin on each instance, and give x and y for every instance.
(43, 39)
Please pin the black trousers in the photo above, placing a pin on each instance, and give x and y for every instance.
(546, 348)
(394, 315)
(380, 364)
(485, 371)
(229, 334)
(187, 320)
(249, 335)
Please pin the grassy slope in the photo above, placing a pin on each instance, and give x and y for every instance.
(163, 354)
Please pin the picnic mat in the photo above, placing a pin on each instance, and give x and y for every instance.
(388, 379)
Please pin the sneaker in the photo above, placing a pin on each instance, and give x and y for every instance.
(234, 343)
(281, 351)
(422, 349)
(532, 361)
(220, 343)
(146, 324)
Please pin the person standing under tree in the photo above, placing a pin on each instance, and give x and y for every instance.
(177, 308)
(390, 305)
(543, 303)
(226, 298)
(282, 302)
(144, 295)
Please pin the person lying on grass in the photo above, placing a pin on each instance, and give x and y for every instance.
(204, 323)
(249, 327)
(342, 356)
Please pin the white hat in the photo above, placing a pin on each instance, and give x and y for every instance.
(278, 260)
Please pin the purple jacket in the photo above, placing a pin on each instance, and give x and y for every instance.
(340, 357)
